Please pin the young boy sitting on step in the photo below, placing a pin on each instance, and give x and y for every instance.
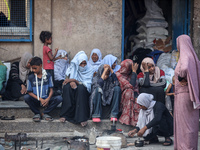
(40, 91)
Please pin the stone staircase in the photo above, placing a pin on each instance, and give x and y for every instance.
(23, 121)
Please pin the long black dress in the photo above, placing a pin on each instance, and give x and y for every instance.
(75, 105)
(13, 87)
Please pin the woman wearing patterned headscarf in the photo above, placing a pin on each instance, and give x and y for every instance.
(187, 95)
(75, 105)
(154, 119)
(152, 80)
(129, 88)
(16, 85)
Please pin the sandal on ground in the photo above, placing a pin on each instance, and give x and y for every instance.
(62, 119)
(36, 118)
(8, 118)
(83, 124)
(111, 119)
(168, 142)
(47, 117)
(96, 119)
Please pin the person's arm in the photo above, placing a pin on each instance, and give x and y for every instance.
(133, 79)
(45, 102)
(51, 56)
(158, 109)
(67, 80)
(32, 95)
(134, 74)
(103, 76)
(100, 82)
(133, 132)
(168, 90)
(14, 73)
(162, 82)
(145, 81)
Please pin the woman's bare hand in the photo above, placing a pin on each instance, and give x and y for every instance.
(73, 85)
(183, 82)
(145, 66)
(132, 133)
(134, 67)
(23, 90)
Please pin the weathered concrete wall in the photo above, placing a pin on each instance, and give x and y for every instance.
(76, 25)
(196, 27)
(80, 25)
(42, 21)
(14, 50)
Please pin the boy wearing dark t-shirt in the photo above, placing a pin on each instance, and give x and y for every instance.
(40, 91)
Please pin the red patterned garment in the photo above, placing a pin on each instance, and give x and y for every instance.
(128, 106)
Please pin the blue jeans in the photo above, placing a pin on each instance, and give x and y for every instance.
(97, 106)
(34, 104)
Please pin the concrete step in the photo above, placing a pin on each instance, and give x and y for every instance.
(20, 109)
(28, 125)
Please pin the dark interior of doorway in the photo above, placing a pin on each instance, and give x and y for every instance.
(135, 10)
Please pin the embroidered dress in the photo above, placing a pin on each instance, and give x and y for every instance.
(128, 105)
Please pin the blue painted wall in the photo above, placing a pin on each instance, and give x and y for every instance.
(181, 12)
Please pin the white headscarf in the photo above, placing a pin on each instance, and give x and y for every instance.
(95, 65)
(145, 116)
(60, 66)
(110, 60)
(23, 70)
(76, 72)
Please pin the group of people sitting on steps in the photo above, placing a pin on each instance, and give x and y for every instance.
(96, 88)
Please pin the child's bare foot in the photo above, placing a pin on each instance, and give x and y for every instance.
(83, 124)
(62, 119)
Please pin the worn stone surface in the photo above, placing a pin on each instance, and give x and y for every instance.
(27, 125)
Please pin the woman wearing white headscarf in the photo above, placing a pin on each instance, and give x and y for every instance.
(154, 119)
(60, 67)
(75, 106)
(95, 59)
(16, 85)
(112, 62)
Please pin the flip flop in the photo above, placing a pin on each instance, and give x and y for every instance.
(36, 118)
(168, 143)
(8, 118)
(47, 117)
(96, 119)
(111, 119)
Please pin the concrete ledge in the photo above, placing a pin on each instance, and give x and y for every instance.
(28, 125)
(15, 104)
(20, 109)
